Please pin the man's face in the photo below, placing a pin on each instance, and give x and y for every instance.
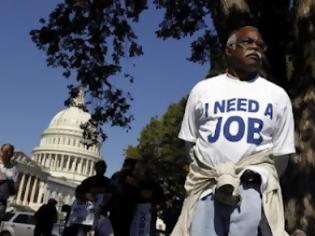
(100, 169)
(7, 152)
(247, 52)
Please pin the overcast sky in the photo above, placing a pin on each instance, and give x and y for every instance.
(31, 93)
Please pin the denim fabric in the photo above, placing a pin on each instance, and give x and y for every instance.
(212, 218)
(3, 206)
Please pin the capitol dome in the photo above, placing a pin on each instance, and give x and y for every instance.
(61, 151)
(70, 118)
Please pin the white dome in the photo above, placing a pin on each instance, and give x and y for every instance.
(61, 151)
(70, 118)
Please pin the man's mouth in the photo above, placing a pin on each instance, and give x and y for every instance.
(253, 55)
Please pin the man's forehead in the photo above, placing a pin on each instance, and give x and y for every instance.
(7, 147)
(248, 32)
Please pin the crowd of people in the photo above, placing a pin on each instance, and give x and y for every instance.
(122, 205)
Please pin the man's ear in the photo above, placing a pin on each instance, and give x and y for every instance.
(227, 51)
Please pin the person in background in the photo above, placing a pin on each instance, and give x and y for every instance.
(45, 217)
(92, 197)
(125, 194)
(8, 177)
(150, 198)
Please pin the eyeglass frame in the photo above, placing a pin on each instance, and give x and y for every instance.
(247, 41)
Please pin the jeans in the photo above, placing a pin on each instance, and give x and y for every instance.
(212, 218)
(3, 207)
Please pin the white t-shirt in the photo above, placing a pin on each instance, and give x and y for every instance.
(229, 119)
(8, 173)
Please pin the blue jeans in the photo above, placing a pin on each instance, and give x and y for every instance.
(212, 218)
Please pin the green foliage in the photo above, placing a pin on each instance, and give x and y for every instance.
(132, 152)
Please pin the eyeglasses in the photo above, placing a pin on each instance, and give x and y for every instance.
(246, 42)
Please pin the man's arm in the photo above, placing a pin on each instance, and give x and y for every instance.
(189, 146)
(283, 135)
(281, 163)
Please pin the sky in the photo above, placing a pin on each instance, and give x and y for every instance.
(31, 93)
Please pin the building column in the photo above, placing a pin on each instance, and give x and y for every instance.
(45, 159)
(73, 163)
(68, 163)
(59, 161)
(79, 170)
(27, 190)
(55, 162)
(47, 194)
(40, 192)
(91, 169)
(48, 160)
(21, 189)
(52, 161)
(40, 159)
(33, 189)
(87, 167)
(83, 166)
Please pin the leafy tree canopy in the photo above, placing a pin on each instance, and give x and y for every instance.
(87, 39)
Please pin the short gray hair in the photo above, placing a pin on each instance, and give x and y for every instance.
(233, 36)
(231, 40)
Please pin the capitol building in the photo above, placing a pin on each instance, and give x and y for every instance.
(59, 162)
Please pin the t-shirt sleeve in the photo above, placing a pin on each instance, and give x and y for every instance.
(283, 137)
(190, 124)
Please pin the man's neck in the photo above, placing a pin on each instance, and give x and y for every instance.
(242, 75)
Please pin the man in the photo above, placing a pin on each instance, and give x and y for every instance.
(8, 177)
(92, 197)
(95, 185)
(45, 217)
(150, 198)
(238, 124)
(125, 195)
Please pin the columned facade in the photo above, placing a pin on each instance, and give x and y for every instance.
(58, 164)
